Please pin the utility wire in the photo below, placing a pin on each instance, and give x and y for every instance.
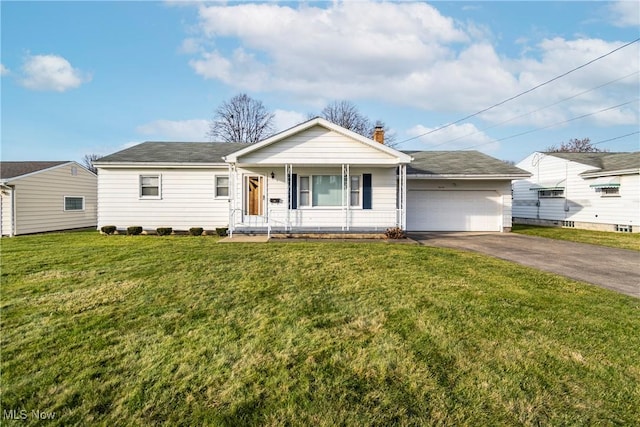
(535, 111)
(617, 137)
(554, 124)
(523, 93)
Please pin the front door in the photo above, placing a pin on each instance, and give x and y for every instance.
(254, 200)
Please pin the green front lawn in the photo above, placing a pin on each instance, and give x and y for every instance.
(181, 330)
(604, 238)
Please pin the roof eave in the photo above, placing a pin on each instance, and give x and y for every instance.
(491, 177)
(152, 165)
(596, 174)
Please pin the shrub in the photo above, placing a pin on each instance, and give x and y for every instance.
(394, 233)
(108, 229)
(164, 231)
(222, 231)
(196, 231)
(134, 230)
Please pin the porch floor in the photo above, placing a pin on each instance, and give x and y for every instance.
(243, 238)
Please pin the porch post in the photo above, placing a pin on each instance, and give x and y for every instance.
(403, 196)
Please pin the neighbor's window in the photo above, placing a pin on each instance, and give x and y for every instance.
(222, 186)
(354, 197)
(150, 186)
(610, 192)
(550, 193)
(73, 203)
(326, 190)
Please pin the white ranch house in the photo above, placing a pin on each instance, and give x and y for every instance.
(314, 177)
(46, 196)
(597, 191)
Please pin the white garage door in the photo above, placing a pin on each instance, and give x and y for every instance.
(453, 211)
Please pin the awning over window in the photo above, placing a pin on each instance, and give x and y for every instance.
(552, 185)
(606, 182)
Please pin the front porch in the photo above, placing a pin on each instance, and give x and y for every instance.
(310, 199)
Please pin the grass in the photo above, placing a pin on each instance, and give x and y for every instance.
(604, 238)
(181, 330)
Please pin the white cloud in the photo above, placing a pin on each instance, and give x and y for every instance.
(284, 119)
(403, 54)
(51, 72)
(176, 130)
(4, 70)
(625, 13)
(454, 137)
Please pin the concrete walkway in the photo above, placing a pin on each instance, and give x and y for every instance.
(241, 238)
(616, 269)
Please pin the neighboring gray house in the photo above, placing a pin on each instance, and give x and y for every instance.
(598, 191)
(46, 196)
(316, 176)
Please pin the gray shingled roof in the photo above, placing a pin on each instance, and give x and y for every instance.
(426, 162)
(603, 162)
(15, 169)
(174, 152)
(459, 163)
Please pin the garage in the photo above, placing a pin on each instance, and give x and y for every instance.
(473, 210)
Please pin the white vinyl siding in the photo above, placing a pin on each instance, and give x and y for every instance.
(580, 203)
(318, 146)
(186, 202)
(73, 203)
(39, 200)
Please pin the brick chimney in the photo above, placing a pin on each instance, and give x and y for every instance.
(378, 134)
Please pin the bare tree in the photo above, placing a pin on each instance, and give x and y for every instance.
(241, 119)
(575, 146)
(87, 161)
(347, 115)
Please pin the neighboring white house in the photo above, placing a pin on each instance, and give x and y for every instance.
(46, 196)
(598, 191)
(316, 176)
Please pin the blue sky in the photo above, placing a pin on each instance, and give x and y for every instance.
(96, 77)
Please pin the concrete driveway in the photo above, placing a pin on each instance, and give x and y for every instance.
(616, 269)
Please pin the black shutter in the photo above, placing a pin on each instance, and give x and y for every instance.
(293, 203)
(366, 191)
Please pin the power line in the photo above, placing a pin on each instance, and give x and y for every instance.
(617, 137)
(523, 93)
(536, 110)
(554, 124)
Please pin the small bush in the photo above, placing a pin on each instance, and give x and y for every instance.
(134, 230)
(108, 229)
(394, 233)
(196, 231)
(222, 231)
(164, 231)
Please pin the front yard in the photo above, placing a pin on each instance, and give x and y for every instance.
(605, 238)
(181, 330)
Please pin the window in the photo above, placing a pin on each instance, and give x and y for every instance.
(304, 191)
(326, 191)
(550, 193)
(609, 191)
(150, 186)
(354, 197)
(73, 203)
(222, 186)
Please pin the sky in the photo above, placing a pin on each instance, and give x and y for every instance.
(85, 77)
